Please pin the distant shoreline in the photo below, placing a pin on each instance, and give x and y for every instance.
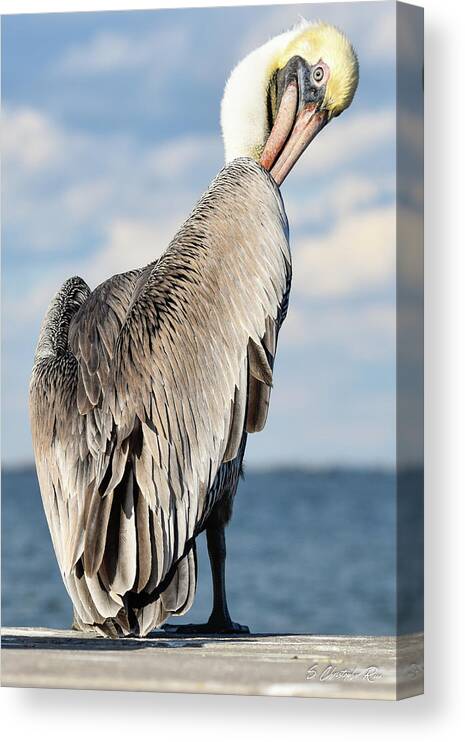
(310, 470)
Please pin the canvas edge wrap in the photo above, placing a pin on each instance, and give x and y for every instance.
(409, 342)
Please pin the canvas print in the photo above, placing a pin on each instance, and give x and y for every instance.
(213, 360)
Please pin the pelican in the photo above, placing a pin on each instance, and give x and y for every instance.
(144, 390)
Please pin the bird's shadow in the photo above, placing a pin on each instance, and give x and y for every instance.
(83, 641)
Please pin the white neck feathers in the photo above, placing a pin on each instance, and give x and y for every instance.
(244, 107)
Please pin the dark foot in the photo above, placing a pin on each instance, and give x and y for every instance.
(206, 628)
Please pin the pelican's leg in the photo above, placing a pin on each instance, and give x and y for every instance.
(220, 621)
(225, 487)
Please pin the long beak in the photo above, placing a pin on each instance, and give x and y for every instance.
(291, 134)
(282, 126)
(307, 125)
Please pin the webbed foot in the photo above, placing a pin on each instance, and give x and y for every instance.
(211, 627)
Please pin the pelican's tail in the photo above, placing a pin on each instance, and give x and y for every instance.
(137, 614)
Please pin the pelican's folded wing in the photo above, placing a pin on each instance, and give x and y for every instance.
(61, 444)
(70, 438)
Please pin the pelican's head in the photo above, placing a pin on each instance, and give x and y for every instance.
(283, 93)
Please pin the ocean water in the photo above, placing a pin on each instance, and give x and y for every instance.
(308, 552)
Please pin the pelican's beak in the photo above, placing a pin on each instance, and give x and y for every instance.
(299, 117)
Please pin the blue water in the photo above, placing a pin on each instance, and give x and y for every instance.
(308, 552)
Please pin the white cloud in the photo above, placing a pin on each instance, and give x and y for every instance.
(29, 139)
(119, 200)
(131, 243)
(361, 333)
(345, 194)
(357, 254)
(174, 159)
(103, 53)
(372, 29)
(347, 138)
(353, 191)
(108, 52)
(60, 184)
(380, 42)
(83, 199)
(126, 244)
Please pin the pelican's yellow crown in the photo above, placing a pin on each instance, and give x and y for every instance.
(322, 42)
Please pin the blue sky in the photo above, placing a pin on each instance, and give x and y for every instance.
(111, 133)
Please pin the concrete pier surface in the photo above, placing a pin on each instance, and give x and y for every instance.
(383, 667)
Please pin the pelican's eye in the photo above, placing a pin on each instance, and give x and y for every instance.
(318, 74)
